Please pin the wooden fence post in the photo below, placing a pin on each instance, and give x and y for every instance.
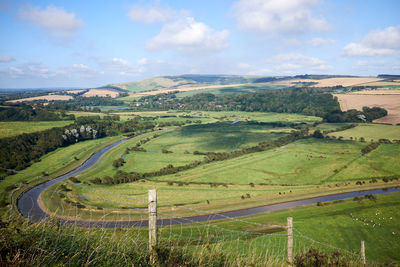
(290, 241)
(152, 225)
(363, 259)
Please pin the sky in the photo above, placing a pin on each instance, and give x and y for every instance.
(91, 43)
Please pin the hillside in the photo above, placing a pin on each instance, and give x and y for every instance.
(190, 82)
(187, 80)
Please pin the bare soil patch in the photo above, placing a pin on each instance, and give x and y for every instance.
(45, 97)
(389, 102)
(101, 92)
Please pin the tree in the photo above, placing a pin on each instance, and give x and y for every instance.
(318, 134)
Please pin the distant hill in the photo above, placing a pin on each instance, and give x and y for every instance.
(187, 80)
(198, 80)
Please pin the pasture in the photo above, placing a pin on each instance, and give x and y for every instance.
(343, 224)
(370, 132)
(13, 128)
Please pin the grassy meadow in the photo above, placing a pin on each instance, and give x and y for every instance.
(370, 132)
(13, 128)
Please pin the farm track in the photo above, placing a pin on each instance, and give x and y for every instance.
(28, 204)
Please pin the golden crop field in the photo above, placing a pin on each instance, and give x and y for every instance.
(101, 92)
(343, 81)
(356, 101)
(49, 97)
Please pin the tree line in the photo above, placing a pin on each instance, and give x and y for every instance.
(308, 101)
(24, 112)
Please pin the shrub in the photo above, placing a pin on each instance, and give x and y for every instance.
(74, 179)
(118, 162)
(314, 257)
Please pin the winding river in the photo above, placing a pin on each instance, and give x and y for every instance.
(29, 207)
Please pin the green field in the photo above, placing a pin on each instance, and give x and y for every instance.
(85, 113)
(301, 169)
(305, 162)
(60, 160)
(380, 162)
(298, 169)
(13, 128)
(243, 89)
(371, 132)
(342, 224)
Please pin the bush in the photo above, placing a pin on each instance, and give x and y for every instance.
(118, 162)
(316, 258)
(74, 179)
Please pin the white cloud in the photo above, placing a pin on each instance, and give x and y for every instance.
(377, 43)
(280, 16)
(188, 35)
(57, 22)
(151, 13)
(4, 59)
(292, 62)
(29, 69)
(142, 61)
(120, 61)
(317, 42)
(80, 70)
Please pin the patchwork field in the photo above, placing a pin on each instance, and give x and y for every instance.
(306, 167)
(185, 89)
(389, 102)
(13, 128)
(298, 169)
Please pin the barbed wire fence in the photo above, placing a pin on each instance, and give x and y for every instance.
(73, 237)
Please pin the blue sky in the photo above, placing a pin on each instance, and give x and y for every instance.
(92, 43)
